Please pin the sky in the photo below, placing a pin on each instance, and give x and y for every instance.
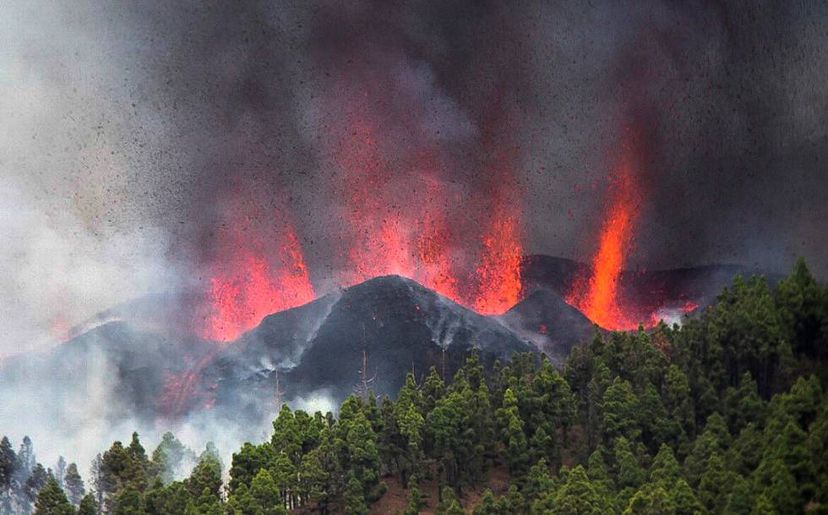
(133, 133)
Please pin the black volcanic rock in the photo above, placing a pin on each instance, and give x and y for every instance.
(553, 325)
(557, 274)
(401, 326)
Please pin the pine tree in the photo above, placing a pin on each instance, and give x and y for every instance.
(415, 498)
(433, 390)
(517, 455)
(740, 500)
(60, 471)
(314, 478)
(97, 483)
(714, 485)
(357, 444)
(482, 421)
(129, 501)
(743, 404)
(205, 477)
(538, 481)
(25, 460)
(684, 500)
(8, 463)
(171, 499)
(263, 497)
(620, 408)
(354, 497)
(714, 440)
(597, 470)
(488, 505)
(650, 499)
(52, 501)
(774, 481)
(764, 506)
(88, 505)
(628, 470)
(677, 401)
(449, 503)
(804, 312)
(665, 469)
(287, 435)
(35, 482)
(74, 484)
(168, 457)
(578, 495)
(284, 475)
(446, 424)
(746, 451)
(410, 422)
(140, 469)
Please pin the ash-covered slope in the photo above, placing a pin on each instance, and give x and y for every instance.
(550, 323)
(399, 324)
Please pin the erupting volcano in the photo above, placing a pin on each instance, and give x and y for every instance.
(381, 234)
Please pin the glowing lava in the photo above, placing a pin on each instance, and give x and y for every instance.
(412, 236)
(400, 211)
(597, 296)
(499, 274)
(253, 286)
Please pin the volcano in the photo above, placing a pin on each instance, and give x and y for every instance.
(397, 324)
(150, 372)
(139, 359)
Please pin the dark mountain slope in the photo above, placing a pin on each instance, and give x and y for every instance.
(401, 326)
(553, 325)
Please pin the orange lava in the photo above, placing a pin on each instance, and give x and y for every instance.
(399, 212)
(499, 273)
(411, 236)
(597, 296)
(254, 285)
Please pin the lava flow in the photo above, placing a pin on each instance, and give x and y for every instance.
(499, 274)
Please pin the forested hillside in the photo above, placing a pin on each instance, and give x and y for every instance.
(726, 414)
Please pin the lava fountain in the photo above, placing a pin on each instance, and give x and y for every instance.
(250, 284)
(597, 295)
